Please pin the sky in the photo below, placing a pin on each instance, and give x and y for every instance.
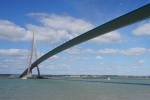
(125, 51)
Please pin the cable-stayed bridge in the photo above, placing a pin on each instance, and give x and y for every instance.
(122, 21)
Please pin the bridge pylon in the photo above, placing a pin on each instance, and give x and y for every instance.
(28, 73)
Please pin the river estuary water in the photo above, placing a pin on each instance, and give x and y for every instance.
(74, 89)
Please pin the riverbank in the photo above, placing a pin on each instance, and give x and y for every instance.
(78, 76)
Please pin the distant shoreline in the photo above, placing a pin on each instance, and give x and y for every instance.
(12, 76)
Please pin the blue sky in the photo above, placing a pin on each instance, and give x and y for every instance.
(125, 51)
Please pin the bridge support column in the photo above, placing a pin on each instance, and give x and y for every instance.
(29, 73)
(38, 72)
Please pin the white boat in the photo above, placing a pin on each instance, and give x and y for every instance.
(108, 78)
(24, 77)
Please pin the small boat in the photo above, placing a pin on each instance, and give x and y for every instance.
(108, 78)
(24, 77)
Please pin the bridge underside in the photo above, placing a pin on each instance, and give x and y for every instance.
(127, 19)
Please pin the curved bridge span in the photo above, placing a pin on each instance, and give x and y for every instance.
(122, 21)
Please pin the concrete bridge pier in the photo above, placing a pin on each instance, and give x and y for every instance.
(29, 73)
(38, 70)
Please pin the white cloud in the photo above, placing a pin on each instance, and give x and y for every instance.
(13, 52)
(85, 58)
(11, 32)
(99, 57)
(63, 22)
(47, 34)
(141, 61)
(109, 51)
(55, 57)
(14, 59)
(78, 50)
(142, 29)
(130, 51)
(8, 60)
(58, 63)
(54, 28)
(64, 59)
(111, 37)
(138, 63)
(134, 51)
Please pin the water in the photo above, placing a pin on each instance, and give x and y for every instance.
(83, 89)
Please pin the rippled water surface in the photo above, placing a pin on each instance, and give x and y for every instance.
(83, 89)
